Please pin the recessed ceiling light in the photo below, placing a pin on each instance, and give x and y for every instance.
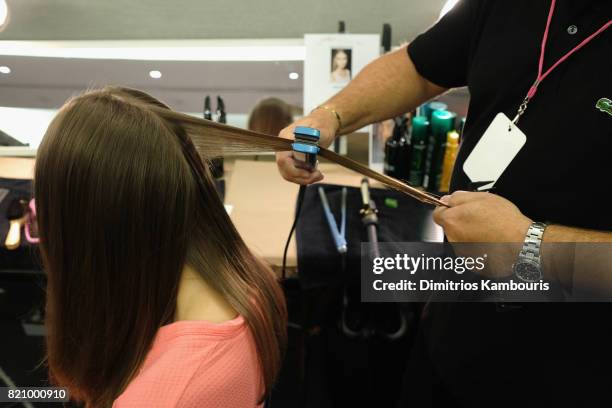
(5, 70)
(294, 75)
(155, 74)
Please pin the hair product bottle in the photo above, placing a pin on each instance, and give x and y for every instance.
(207, 110)
(431, 107)
(450, 155)
(397, 150)
(418, 142)
(217, 164)
(442, 122)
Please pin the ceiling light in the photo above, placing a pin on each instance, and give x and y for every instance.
(155, 74)
(448, 7)
(294, 75)
(3, 12)
(5, 70)
(162, 50)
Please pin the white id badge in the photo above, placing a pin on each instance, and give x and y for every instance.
(494, 152)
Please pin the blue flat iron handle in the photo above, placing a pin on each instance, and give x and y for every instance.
(338, 238)
(343, 216)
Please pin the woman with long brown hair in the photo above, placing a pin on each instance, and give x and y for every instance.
(153, 299)
(270, 116)
(341, 66)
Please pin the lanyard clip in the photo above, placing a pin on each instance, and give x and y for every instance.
(520, 112)
(523, 107)
(306, 145)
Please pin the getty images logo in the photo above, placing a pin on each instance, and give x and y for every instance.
(412, 264)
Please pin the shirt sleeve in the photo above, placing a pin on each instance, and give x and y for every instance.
(442, 54)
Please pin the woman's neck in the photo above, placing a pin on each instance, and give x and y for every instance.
(196, 300)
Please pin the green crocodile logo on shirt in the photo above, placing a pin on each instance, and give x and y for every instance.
(604, 105)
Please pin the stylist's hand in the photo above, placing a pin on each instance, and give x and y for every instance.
(481, 217)
(319, 119)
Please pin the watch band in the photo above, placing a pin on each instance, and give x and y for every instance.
(533, 242)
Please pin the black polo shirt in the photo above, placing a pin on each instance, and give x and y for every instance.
(476, 355)
(493, 47)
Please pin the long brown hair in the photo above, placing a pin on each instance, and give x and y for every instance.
(124, 202)
(335, 55)
(270, 116)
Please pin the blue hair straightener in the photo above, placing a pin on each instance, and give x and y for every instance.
(305, 150)
(306, 145)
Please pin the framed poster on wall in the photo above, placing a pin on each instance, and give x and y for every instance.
(331, 61)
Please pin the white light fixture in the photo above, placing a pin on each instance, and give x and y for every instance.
(448, 7)
(294, 75)
(155, 74)
(3, 13)
(162, 50)
(5, 70)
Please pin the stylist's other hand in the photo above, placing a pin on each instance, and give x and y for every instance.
(481, 217)
(288, 167)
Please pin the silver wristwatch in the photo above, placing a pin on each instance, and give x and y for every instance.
(528, 267)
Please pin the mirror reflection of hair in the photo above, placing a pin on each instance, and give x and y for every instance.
(270, 116)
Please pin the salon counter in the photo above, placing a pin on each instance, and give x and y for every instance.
(16, 168)
(263, 206)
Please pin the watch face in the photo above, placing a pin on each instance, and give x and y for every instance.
(528, 271)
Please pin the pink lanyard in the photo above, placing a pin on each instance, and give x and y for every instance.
(534, 87)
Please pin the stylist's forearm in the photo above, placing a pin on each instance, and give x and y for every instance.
(387, 87)
(586, 266)
(560, 233)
